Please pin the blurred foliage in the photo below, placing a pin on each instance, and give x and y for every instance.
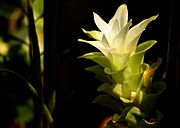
(25, 112)
(17, 52)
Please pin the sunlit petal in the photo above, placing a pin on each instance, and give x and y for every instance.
(115, 28)
(119, 40)
(121, 15)
(96, 44)
(103, 26)
(138, 29)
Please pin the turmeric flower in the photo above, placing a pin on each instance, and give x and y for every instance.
(127, 80)
(116, 41)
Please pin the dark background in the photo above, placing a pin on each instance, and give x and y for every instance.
(76, 88)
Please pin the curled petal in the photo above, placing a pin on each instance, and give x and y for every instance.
(97, 35)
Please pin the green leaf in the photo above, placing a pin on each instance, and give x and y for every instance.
(100, 74)
(52, 102)
(118, 60)
(108, 101)
(135, 62)
(131, 116)
(47, 114)
(143, 47)
(114, 90)
(152, 122)
(126, 100)
(131, 83)
(148, 102)
(117, 76)
(124, 114)
(38, 8)
(138, 99)
(98, 58)
(158, 87)
(150, 99)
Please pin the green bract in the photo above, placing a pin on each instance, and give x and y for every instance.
(120, 64)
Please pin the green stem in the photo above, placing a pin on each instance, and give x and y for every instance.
(34, 49)
(35, 63)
